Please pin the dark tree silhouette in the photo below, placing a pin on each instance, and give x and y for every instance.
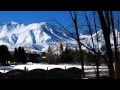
(75, 21)
(15, 55)
(91, 34)
(50, 56)
(96, 55)
(23, 56)
(67, 55)
(105, 24)
(20, 55)
(117, 61)
(33, 57)
(5, 55)
(61, 48)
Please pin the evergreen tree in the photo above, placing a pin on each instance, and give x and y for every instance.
(5, 55)
(61, 48)
(15, 55)
(50, 56)
(67, 55)
(49, 50)
(23, 56)
(20, 55)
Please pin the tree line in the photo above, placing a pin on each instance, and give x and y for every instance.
(6, 57)
(67, 55)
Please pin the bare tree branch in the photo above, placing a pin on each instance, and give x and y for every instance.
(65, 29)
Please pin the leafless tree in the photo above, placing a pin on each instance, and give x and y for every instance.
(96, 55)
(91, 34)
(104, 17)
(80, 43)
(117, 61)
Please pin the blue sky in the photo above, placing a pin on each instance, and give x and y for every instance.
(28, 17)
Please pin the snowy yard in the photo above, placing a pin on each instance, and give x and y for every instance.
(89, 70)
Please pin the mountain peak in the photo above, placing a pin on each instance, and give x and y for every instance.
(44, 23)
(13, 22)
(35, 36)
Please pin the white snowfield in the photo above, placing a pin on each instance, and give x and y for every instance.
(31, 66)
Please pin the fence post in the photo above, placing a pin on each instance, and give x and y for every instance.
(65, 72)
(27, 73)
(4, 72)
(47, 72)
(26, 70)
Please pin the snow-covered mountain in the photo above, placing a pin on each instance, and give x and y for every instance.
(87, 41)
(34, 37)
(38, 36)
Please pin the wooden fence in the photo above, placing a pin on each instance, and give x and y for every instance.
(55, 73)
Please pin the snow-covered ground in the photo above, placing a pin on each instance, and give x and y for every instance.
(89, 70)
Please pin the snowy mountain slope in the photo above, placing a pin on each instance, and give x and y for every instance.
(36, 37)
(86, 40)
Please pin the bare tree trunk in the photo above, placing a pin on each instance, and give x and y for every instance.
(81, 44)
(118, 30)
(117, 61)
(96, 55)
(74, 18)
(106, 32)
(90, 30)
